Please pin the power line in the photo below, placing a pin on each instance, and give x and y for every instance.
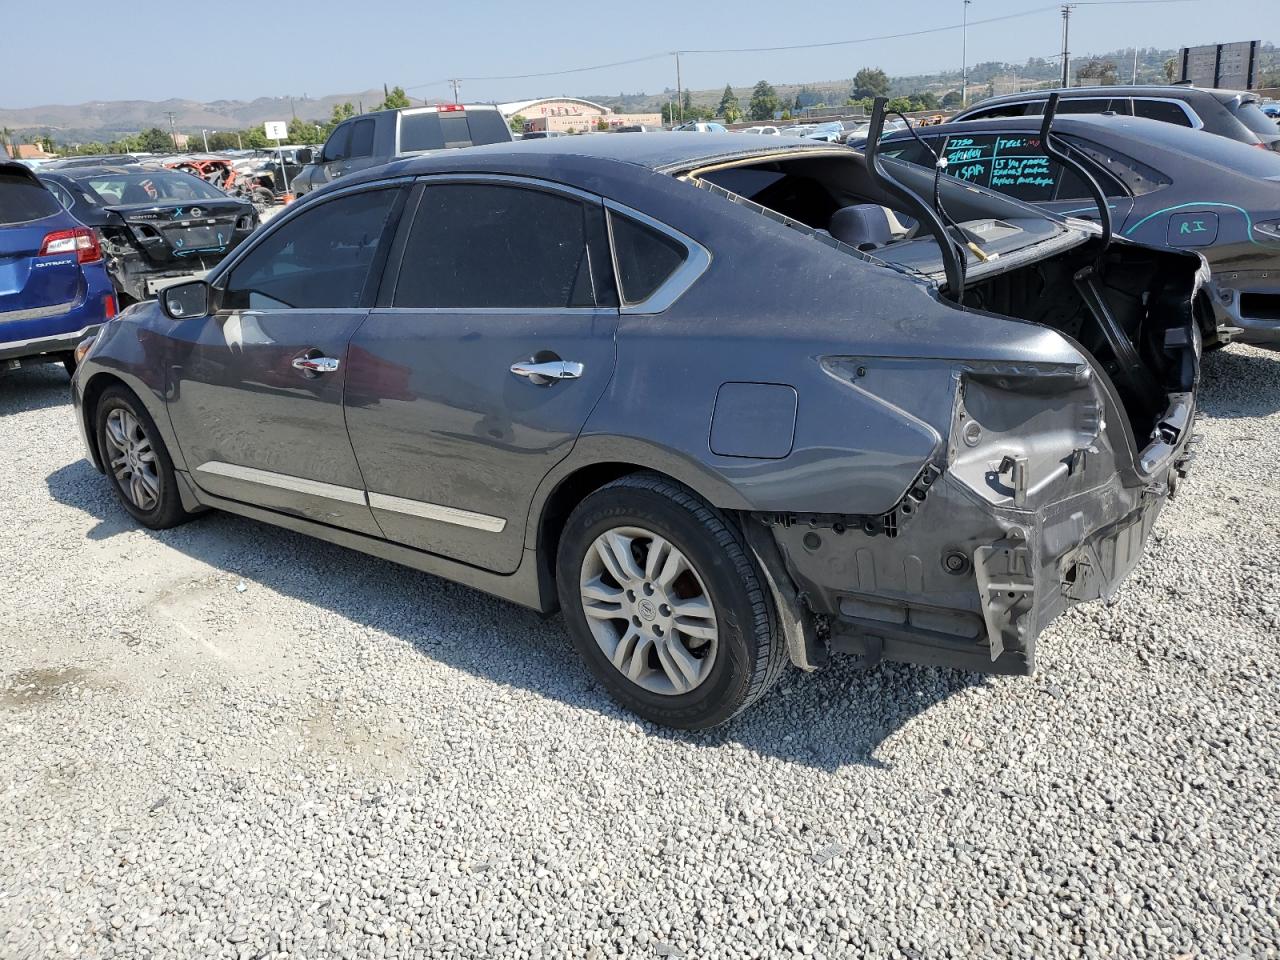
(780, 48)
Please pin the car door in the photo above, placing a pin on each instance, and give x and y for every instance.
(334, 155)
(256, 389)
(473, 379)
(360, 149)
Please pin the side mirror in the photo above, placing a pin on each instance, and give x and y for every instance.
(185, 301)
(305, 156)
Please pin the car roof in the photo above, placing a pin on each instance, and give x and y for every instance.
(656, 153)
(14, 168)
(1156, 133)
(1168, 91)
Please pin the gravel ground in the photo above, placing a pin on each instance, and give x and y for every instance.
(226, 740)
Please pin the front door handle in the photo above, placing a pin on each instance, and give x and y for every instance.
(548, 370)
(315, 365)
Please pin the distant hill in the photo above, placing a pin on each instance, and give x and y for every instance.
(106, 119)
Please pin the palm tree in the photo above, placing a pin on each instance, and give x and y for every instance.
(6, 140)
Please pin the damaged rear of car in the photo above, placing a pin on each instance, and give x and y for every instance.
(1035, 467)
(157, 227)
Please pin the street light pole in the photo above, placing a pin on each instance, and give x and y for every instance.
(964, 58)
(205, 133)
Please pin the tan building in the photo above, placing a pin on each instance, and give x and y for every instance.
(571, 115)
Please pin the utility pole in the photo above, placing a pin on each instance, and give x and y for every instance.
(1135, 66)
(679, 91)
(173, 134)
(239, 144)
(1066, 53)
(205, 133)
(455, 90)
(964, 58)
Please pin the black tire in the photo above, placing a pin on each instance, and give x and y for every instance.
(167, 510)
(751, 653)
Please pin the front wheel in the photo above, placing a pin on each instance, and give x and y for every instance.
(136, 460)
(666, 606)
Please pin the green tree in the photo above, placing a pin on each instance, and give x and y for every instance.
(255, 138)
(951, 99)
(1173, 67)
(341, 111)
(764, 101)
(686, 106)
(304, 131)
(870, 82)
(729, 107)
(7, 142)
(796, 105)
(154, 140)
(602, 124)
(1098, 71)
(397, 99)
(516, 123)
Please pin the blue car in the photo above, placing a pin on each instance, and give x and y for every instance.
(54, 288)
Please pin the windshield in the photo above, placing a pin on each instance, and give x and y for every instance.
(156, 186)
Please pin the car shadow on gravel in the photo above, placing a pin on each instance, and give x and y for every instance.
(1240, 383)
(833, 718)
(33, 388)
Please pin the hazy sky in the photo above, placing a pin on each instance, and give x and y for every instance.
(70, 52)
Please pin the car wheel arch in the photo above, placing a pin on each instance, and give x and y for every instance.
(96, 383)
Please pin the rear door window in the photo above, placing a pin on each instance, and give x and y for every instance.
(1166, 111)
(319, 260)
(23, 199)
(361, 139)
(1087, 105)
(491, 246)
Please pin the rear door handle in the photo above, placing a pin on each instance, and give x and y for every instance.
(549, 370)
(316, 364)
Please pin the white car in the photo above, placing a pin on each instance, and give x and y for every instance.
(762, 130)
(702, 126)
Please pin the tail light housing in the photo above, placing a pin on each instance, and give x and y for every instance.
(81, 241)
(109, 306)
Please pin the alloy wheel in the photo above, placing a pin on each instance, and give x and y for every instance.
(649, 610)
(132, 459)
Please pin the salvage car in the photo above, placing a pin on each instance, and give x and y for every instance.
(54, 289)
(1187, 191)
(1234, 114)
(155, 226)
(712, 408)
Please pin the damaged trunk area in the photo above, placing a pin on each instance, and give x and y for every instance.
(1048, 476)
(1134, 311)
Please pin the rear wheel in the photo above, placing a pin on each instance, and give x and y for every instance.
(136, 460)
(666, 606)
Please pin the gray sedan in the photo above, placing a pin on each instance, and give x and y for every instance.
(729, 403)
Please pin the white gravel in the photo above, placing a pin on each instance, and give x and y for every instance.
(350, 759)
